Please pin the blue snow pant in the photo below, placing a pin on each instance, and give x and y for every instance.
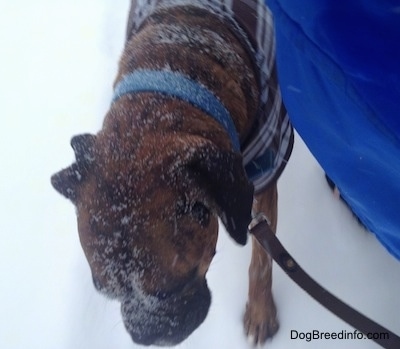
(339, 71)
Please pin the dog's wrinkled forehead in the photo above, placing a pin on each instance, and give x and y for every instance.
(109, 175)
(118, 195)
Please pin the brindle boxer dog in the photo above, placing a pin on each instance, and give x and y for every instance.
(150, 185)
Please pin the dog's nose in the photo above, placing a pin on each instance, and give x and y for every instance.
(152, 320)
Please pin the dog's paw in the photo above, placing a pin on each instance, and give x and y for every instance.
(260, 322)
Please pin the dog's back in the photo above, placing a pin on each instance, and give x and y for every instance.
(267, 141)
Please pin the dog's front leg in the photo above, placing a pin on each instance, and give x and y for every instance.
(260, 320)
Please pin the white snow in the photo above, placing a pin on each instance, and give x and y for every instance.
(58, 62)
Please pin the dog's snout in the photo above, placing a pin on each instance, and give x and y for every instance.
(153, 320)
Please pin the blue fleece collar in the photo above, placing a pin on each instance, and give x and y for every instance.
(178, 85)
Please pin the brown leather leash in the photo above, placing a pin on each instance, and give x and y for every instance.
(268, 240)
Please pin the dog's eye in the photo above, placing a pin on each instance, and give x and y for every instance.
(201, 213)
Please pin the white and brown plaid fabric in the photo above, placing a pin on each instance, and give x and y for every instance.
(268, 146)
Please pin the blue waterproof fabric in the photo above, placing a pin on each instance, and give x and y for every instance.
(339, 70)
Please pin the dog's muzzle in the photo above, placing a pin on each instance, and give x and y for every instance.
(166, 321)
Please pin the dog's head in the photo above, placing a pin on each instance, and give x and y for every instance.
(147, 220)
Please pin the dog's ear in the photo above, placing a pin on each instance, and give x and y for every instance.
(67, 180)
(83, 146)
(222, 175)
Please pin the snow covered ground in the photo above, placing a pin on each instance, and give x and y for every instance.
(57, 64)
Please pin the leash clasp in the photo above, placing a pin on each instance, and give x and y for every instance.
(258, 218)
(259, 227)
